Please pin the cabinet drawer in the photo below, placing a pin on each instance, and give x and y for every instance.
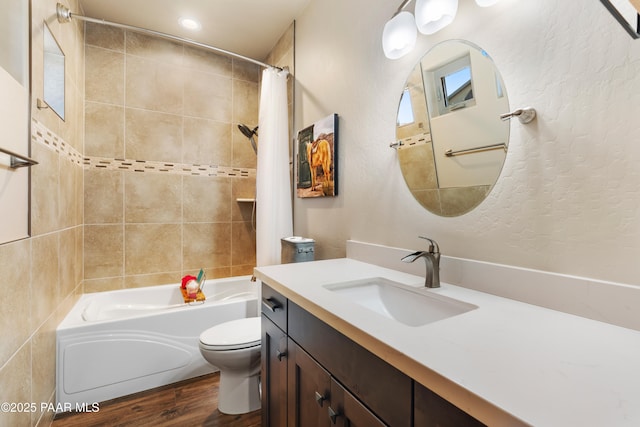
(274, 306)
(386, 391)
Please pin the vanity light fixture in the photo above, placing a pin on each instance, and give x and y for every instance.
(190, 24)
(399, 34)
(434, 15)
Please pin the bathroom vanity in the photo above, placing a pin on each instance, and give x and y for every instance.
(329, 355)
(314, 374)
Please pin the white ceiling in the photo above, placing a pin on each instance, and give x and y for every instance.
(247, 27)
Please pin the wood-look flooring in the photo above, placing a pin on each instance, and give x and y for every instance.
(188, 403)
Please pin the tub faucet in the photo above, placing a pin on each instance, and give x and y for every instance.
(432, 261)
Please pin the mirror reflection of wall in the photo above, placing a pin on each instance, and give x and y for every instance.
(457, 96)
(14, 110)
(53, 73)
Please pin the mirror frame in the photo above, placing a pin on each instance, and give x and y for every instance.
(625, 17)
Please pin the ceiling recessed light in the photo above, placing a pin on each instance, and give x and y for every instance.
(190, 24)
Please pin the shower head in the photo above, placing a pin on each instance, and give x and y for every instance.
(250, 133)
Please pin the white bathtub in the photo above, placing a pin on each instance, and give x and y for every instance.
(116, 343)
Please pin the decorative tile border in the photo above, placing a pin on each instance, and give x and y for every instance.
(141, 166)
(45, 137)
(42, 135)
(421, 138)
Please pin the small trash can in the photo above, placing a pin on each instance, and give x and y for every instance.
(296, 249)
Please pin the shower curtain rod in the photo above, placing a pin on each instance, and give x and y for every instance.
(65, 15)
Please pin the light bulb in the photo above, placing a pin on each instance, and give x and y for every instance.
(190, 24)
(399, 35)
(434, 15)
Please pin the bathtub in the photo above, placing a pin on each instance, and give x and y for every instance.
(116, 343)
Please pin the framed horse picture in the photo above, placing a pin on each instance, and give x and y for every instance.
(317, 166)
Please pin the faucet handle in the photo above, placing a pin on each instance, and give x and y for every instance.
(433, 246)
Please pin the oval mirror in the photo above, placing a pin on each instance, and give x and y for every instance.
(450, 138)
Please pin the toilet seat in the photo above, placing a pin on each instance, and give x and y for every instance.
(232, 335)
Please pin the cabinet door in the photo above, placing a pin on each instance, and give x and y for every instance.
(347, 411)
(309, 390)
(273, 375)
(432, 410)
(384, 389)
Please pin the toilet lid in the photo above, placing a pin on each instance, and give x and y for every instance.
(232, 335)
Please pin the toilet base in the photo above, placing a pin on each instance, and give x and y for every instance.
(238, 394)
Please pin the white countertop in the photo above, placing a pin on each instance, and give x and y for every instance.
(505, 363)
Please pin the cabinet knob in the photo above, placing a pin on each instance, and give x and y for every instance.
(281, 354)
(333, 414)
(320, 399)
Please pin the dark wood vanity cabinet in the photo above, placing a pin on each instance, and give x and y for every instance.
(317, 399)
(383, 389)
(312, 375)
(433, 411)
(310, 390)
(274, 374)
(355, 414)
(274, 359)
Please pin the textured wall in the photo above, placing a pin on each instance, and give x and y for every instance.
(568, 199)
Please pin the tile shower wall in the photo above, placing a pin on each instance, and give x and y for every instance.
(165, 162)
(42, 275)
(282, 55)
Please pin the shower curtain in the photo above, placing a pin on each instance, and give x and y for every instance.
(274, 217)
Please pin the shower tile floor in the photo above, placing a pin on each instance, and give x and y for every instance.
(187, 403)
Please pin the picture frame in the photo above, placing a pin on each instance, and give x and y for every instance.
(626, 13)
(317, 160)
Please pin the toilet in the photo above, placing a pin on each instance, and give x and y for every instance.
(234, 348)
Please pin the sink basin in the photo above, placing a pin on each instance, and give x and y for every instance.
(406, 304)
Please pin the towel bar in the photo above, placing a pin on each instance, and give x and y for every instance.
(17, 160)
(450, 153)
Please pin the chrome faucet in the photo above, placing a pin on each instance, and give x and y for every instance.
(432, 261)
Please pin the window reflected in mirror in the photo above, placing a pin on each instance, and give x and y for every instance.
(457, 87)
(454, 85)
(405, 110)
(499, 89)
